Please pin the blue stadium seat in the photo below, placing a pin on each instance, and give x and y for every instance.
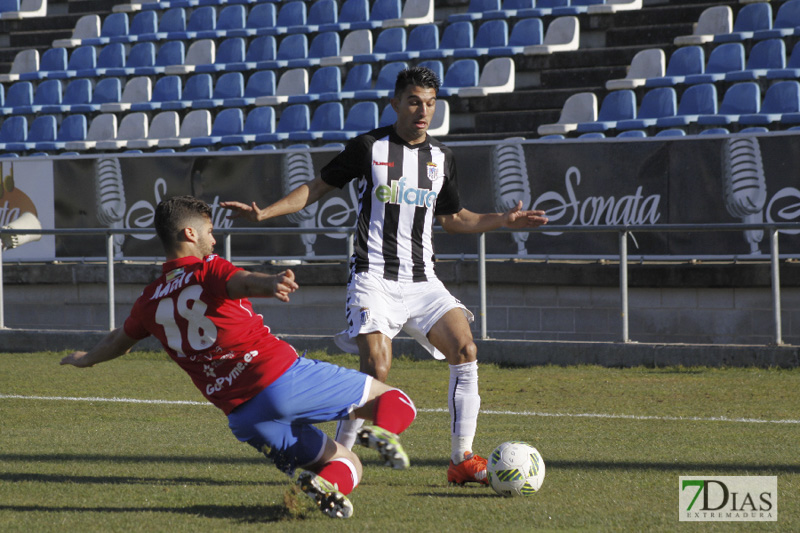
(260, 83)
(475, 10)
(543, 8)
(230, 55)
(323, 44)
(750, 19)
(715, 131)
(636, 134)
(261, 53)
(258, 125)
(43, 129)
(229, 87)
(656, 103)
(575, 7)
(422, 37)
(787, 19)
(113, 29)
(792, 68)
(19, 95)
(389, 41)
(526, 32)
(172, 21)
(328, 117)
(359, 78)
(781, 99)
(723, 59)
(13, 130)
(106, 90)
(110, 59)
(461, 73)
(73, 128)
(683, 62)
(491, 34)
(361, 118)
(52, 60)
(231, 18)
(201, 19)
(169, 53)
(143, 23)
(294, 118)
(77, 93)
(83, 58)
(260, 20)
(764, 56)
(227, 122)
(435, 65)
(672, 132)
(352, 13)
(616, 106)
(456, 36)
(140, 57)
(167, 89)
(324, 81)
(322, 13)
(197, 87)
(292, 47)
(509, 9)
(384, 84)
(47, 93)
(696, 100)
(740, 99)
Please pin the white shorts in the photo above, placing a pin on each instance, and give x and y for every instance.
(376, 304)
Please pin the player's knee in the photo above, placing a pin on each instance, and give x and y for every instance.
(468, 352)
(377, 365)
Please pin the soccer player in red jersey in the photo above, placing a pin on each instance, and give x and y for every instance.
(199, 310)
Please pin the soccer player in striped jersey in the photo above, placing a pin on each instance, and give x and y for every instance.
(200, 312)
(406, 180)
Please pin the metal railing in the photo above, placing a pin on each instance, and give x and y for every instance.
(623, 232)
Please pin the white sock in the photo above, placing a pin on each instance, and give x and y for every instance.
(464, 403)
(346, 431)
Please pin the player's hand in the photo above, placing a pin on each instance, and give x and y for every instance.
(517, 218)
(76, 359)
(284, 285)
(240, 210)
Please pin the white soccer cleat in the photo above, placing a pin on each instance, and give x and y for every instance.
(386, 443)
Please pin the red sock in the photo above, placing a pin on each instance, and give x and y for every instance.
(340, 472)
(394, 411)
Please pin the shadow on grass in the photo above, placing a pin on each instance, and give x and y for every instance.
(66, 457)
(238, 513)
(128, 480)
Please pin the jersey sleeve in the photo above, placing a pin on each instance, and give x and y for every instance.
(216, 274)
(133, 326)
(348, 164)
(448, 201)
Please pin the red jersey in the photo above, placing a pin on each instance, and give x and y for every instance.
(221, 343)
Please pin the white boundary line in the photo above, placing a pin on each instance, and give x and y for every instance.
(440, 410)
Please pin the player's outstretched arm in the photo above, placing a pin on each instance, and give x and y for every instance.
(244, 284)
(465, 221)
(302, 196)
(113, 345)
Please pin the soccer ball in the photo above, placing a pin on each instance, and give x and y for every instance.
(515, 469)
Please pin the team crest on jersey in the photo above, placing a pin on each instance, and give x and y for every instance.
(433, 171)
(172, 274)
(364, 313)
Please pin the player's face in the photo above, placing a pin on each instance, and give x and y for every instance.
(205, 239)
(414, 108)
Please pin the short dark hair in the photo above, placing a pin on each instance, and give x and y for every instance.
(176, 213)
(417, 76)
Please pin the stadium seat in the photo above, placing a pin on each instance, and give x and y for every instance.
(616, 106)
(294, 118)
(781, 104)
(18, 96)
(13, 130)
(359, 78)
(200, 52)
(292, 82)
(77, 93)
(414, 12)
(43, 129)
(73, 128)
(385, 82)
(740, 99)
(291, 17)
(167, 90)
(361, 118)
(764, 56)
(87, 27)
(291, 47)
(614, 6)
(48, 93)
(327, 118)
(575, 7)
(456, 36)
(163, 126)
(526, 32)
(434, 65)
(25, 61)
(143, 23)
(201, 20)
(132, 126)
(672, 132)
(261, 19)
(750, 19)
(423, 37)
(52, 60)
(229, 56)
(325, 44)
(358, 42)
(261, 53)
(168, 54)
(101, 128)
(636, 134)
(351, 12)
(259, 123)
(787, 19)
(260, 83)
(715, 131)
(723, 59)
(792, 68)
(491, 34)
(105, 91)
(325, 81)
(389, 41)
(27, 9)
(197, 87)
(657, 103)
(114, 26)
(228, 88)
(461, 73)
(696, 100)
(227, 122)
(498, 76)
(580, 107)
(141, 56)
(196, 123)
(508, 9)
(171, 22)
(645, 64)
(231, 18)
(110, 59)
(83, 59)
(137, 90)
(322, 13)
(542, 8)
(683, 62)
(713, 21)
(562, 34)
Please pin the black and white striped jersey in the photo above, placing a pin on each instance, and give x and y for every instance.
(401, 188)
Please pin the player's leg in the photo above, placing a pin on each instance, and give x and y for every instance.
(452, 336)
(329, 479)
